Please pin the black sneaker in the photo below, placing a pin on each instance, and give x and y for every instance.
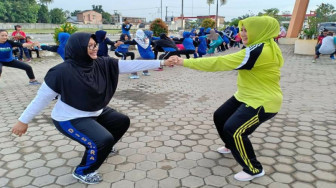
(91, 178)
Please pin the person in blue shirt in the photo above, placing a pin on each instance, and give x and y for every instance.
(150, 36)
(201, 32)
(7, 59)
(188, 43)
(202, 46)
(145, 50)
(207, 31)
(125, 28)
(122, 50)
(60, 49)
(103, 41)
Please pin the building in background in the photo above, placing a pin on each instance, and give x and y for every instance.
(177, 21)
(90, 17)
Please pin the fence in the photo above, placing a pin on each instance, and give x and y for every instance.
(53, 26)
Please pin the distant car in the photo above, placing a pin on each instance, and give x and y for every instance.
(331, 26)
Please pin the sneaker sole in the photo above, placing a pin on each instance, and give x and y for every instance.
(83, 180)
(252, 177)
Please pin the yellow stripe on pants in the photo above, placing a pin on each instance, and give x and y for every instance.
(240, 144)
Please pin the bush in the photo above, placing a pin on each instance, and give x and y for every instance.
(311, 32)
(66, 28)
(208, 22)
(158, 26)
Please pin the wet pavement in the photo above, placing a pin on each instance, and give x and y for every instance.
(172, 141)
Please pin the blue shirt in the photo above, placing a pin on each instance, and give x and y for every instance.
(6, 50)
(188, 44)
(123, 48)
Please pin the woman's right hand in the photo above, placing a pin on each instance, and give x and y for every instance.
(20, 128)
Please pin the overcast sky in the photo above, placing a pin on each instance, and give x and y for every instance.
(151, 8)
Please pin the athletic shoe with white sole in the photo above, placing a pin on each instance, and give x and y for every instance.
(223, 150)
(91, 178)
(243, 176)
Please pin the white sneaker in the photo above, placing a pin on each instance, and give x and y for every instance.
(243, 176)
(91, 178)
(223, 150)
(113, 151)
(134, 77)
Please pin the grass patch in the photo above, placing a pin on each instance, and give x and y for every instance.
(51, 31)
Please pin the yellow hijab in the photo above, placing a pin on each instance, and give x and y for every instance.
(263, 29)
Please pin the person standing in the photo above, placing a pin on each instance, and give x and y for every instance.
(20, 36)
(7, 59)
(259, 96)
(125, 28)
(85, 84)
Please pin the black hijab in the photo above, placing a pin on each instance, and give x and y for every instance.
(83, 83)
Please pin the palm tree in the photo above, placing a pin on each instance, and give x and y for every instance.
(222, 2)
(209, 2)
(46, 1)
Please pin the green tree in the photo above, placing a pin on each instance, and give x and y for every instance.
(158, 26)
(74, 13)
(45, 2)
(273, 12)
(333, 18)
(98, 8)
(43, 14)
(209, 2)
(19, 11)
(66, 28)
(324, 12)
(106, 18)
(192, 24)
(208, 22)
(235, 21)
(57, 16)
(3, 12)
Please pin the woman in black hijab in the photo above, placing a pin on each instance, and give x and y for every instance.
(167, 45)
(85, 84)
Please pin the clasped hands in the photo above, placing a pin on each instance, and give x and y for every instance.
(173, 60)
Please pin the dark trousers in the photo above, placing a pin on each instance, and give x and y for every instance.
(166, 55)
(124, 55)
(187, 53)
(36, 51)
(25, 50)
(97, 134)
(235, 121)
(19, 65)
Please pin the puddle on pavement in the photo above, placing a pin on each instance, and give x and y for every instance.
(140, 95)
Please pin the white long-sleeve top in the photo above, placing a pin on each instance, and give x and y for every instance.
(64, 112)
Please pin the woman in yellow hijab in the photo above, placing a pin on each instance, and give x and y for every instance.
(259, 95)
